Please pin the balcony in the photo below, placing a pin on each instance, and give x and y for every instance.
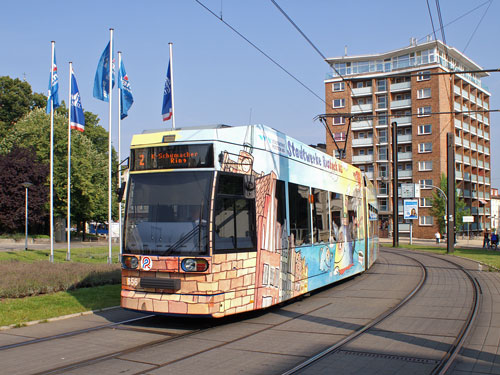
(457, 107)
(362, 91)
(458, 141)
(365, 124)
(362, 159)
(457, 90)
(405, 174)
(404, 156)
(405, 138)
(369, 175)
(396, 104)
(402, 86)
(362, 142)
(403, 120)
(458, 124)
(359, 108)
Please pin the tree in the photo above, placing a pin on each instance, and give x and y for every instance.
(18, 166)
(439, 204)
(89, 166)
(16, 100)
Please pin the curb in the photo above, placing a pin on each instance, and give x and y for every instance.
(55, 319)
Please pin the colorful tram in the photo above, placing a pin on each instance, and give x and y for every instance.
(221, 220)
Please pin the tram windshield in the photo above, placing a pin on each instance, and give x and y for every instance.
(167, 213)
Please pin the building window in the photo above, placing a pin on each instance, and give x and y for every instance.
(424, 147)
(424, 166)
(381, 85)
(338, 120)
(338, 86)
(424, 111)
(382, 136)
(424, 93)
(340, 136)
(338, 103)
(382, 101)
(382, 118)
(425, 184)
(424, 129)
(426, 220)
(424, 76)
(425, 202)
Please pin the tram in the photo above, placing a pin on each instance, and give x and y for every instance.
(222, 220)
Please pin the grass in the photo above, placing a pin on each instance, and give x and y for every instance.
(21, 310)
(91, 254)
(489, 257)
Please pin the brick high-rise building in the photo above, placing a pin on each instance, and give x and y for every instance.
(370, 92)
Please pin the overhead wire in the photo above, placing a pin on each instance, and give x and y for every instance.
(477, 26)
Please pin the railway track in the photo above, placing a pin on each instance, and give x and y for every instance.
(135, 356)
(441, 366)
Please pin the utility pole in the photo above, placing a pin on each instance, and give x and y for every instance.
(450, 138)
(395, 206)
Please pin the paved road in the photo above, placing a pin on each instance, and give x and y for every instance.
(277, 340)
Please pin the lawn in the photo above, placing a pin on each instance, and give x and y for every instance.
(91, 254)
(21, 310)
(489, 257)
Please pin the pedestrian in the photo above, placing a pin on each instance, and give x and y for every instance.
(494, 240)
(486, 240)
(438, 236)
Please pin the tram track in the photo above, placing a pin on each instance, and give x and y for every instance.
(441, 366)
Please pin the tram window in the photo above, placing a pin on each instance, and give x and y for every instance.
(355, 217)
(336, 213)
(281, 229)
(300, 213)
(321, 229)
(234, 216)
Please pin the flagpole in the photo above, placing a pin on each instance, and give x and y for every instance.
(119, 152)
(52, 155)
(172, 83)
(68, 230)
(110, 218)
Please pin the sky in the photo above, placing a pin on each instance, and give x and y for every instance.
(218, 77)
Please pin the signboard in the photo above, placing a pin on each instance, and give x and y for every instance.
(410, 209)
(467, 219)
(410, 191)
(173, 157)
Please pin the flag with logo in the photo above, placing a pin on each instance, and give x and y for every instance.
(53, 94)
(126, 98)
(77, 120)
(167, 97)
(101, 80)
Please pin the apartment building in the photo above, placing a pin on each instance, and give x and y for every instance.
(366, 94)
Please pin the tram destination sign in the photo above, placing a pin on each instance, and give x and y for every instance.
(172, 157)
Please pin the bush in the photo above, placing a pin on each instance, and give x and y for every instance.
(21, 279)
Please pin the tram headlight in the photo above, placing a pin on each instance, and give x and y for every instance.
(194, 265)
(130, 262)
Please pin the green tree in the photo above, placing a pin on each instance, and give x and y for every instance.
(439, 204)
(16, 100)
(89, 182)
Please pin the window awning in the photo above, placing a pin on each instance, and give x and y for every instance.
(482, 201)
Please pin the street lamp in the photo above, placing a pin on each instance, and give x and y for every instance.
(26, 186)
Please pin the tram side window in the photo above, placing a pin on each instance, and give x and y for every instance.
(321, 229)
(336, 213)
(300, 213)
(234, 216)
(355, 217)
(281, 229)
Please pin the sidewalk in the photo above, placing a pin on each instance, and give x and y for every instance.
(476, 243)
(44, 244)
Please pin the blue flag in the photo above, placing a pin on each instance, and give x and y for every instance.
(101, 80)
(167, 97)
(77, 118)
(126, 98)
(53, 94)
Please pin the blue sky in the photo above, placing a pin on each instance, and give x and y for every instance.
(218, 77)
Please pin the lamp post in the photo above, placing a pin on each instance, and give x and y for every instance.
(26, 186)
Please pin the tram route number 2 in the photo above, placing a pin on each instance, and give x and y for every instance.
(146, 263)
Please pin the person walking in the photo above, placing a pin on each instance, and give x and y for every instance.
(438, 236)
(486, 240)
